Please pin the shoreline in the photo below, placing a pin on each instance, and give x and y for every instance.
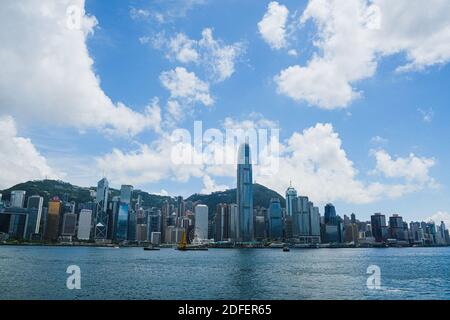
(115, 246)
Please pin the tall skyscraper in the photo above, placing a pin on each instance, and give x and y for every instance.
(53, 219)
(84, 224)
(69, 226)
(330, 214)
(101, 221)
(35, 202)
(126, 193)
(379, 229)
(234, 221)
(201, 223)
(245, 193)
(17, 198)
(222, 222)
(291, 198)
(275, 221)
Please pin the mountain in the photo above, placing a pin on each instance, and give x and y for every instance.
(261, 197)
(51, 188)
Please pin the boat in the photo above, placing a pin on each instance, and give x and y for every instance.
(183, 246)
(286, 249)
(151, 248)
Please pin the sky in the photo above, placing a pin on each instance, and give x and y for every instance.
(358, 90)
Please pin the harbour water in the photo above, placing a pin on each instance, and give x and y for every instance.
(28, 272)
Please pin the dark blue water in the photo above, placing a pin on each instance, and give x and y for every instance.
(132, 273)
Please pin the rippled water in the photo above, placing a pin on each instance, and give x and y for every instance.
(132, 273)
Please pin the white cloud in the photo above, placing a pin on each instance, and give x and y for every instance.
(412, 168)
(272, 27)
(352, 36)
(441, 216)
(378, 139)
(186, 86)
(20, 161)
(183, 48)
(318, 166)
(47, 73)
(210, 186)
(217, 58)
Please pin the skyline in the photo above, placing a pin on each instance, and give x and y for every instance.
(164, 65)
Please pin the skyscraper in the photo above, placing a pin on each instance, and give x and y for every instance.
(291, 198)
(379, 229)
(84, 224)
(17, 198)
(234, 221)
(275, 222)
(330, 214)
(245, 193)
(101, 221)
(35, 202)
(201, 222)
(53, 219)
(126, 192)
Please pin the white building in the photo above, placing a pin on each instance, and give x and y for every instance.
(17, 198)
(201, 223)
(84, 224)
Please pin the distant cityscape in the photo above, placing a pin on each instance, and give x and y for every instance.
(125, 220)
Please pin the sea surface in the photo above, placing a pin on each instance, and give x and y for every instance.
(132, 273)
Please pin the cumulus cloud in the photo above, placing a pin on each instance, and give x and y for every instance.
(216, 57)
(210, 186)
(314, 160)
(272, 27)
(185, 85)
(317, 164)
(352, 36)
(47, 73)
(412, 168)
(20, 161)
(441, 216)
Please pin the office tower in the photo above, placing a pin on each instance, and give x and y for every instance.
(301, 217)
(330, 214)
(353, 218)
(396, 230)
(17, 199)
(351, 233)
(141, 225)
(101, 221)
(122, 222)
(34, 206)
(154, 221)
(234, 221)
(442, 230)
(13, 221)
(275, 222)
(261, 224)
(53, 219)
(165, 212)
(126, 194)
(180, 207)
(315, 224)
(84, 224)
(378, 224)
(222, 222)
(155, 238)
(69, 224)
(201, 222)
(132, 222)
(291, 201)
(245, 193)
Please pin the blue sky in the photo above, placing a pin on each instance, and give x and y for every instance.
(381, 131)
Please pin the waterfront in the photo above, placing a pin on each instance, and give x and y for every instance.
(132, 273)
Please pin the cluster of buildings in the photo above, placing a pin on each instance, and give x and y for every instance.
(125, 219)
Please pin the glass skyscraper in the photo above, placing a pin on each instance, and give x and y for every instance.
(245, 193)
(275, 222)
